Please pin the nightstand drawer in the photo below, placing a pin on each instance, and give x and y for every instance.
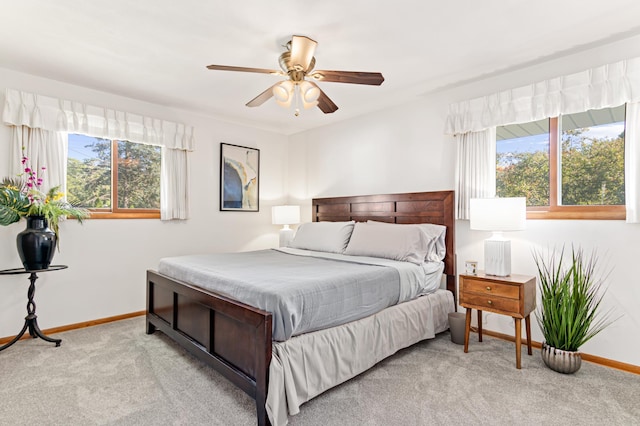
(490, 303)
(492, 288)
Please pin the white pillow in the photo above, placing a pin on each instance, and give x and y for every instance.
(436, 248)
(330, 237)
(408, 243)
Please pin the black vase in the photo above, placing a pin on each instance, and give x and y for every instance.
(36, 244)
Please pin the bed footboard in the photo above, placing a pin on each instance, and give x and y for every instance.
(231, 337)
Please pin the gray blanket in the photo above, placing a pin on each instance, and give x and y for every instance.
(304, 293)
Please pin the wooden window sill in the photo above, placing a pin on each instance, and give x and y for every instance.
(125, 215)
(579, 213)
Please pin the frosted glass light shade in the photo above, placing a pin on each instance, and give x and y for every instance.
(498, 215)
(304, 91)
(309, 94)
(283, 92)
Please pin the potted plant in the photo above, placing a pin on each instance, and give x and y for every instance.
(570, 313)
(23, 196)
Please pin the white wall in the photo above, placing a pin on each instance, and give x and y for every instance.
(401, 149)
(396, 150)
(108, 258)
(404, 149)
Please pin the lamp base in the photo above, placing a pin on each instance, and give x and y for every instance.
(497, 257)
(286, 236)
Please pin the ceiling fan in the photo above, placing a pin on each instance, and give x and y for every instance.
(297, 64)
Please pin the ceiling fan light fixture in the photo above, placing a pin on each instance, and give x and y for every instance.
(309, 105)
(297, 64)
(283, 92)
(309, 93)
(302, 51)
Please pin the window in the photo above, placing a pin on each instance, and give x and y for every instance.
(568, 167)
(114, 178)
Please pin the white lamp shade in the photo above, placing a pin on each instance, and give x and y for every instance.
(498, 214)
(285, 215)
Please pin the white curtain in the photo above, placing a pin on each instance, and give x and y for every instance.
(43, 148)
(174, 194)
(632, 162)
(601, 87)
(475, 168)
(27, 110)
(605, 86)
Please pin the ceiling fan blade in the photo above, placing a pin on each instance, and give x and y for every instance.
(302, 51)
(354, 77)
(262, 97)
(325, 104)
(244, 69)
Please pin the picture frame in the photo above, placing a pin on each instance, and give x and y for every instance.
(471, 267)
(239, 178)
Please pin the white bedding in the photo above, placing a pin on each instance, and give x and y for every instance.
(306, 290)
(414, 281)
(307, 365)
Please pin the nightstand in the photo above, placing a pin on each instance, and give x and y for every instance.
(514, 295)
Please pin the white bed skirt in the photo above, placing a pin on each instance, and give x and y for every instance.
(305, 366)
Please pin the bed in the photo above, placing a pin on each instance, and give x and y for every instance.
(236, 339)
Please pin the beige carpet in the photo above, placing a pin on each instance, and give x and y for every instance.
(114, 374)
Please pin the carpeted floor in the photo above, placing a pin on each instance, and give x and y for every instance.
(114, 374)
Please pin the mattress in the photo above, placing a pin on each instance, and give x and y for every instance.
(304, 290)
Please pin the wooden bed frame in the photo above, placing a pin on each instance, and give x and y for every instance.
(234, 338)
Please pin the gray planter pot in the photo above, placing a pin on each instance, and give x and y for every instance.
(566, 362)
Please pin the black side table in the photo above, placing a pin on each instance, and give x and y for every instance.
(31, 320)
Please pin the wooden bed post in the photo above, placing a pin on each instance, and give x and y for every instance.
(233, 338)
(262, 370)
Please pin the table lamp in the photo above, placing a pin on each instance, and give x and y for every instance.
(285, 215)
(498, 215)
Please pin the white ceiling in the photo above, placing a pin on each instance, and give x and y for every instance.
(157, 50)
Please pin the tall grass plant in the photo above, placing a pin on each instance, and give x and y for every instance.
(571, 295)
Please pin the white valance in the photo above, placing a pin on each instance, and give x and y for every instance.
(602, 87)
(40, 121)
(61, 115)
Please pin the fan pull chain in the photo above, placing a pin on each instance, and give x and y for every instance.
(296, 96)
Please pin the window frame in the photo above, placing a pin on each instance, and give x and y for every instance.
(114, 212)
(557, 211)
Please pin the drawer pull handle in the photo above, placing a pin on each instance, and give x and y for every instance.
(488, 288)
(489, 302)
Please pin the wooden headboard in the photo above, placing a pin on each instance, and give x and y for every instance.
(416, 207)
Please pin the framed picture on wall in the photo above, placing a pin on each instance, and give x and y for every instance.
(239, 178)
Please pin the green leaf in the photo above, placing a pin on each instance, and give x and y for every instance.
(571, 295)
(13, 204)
